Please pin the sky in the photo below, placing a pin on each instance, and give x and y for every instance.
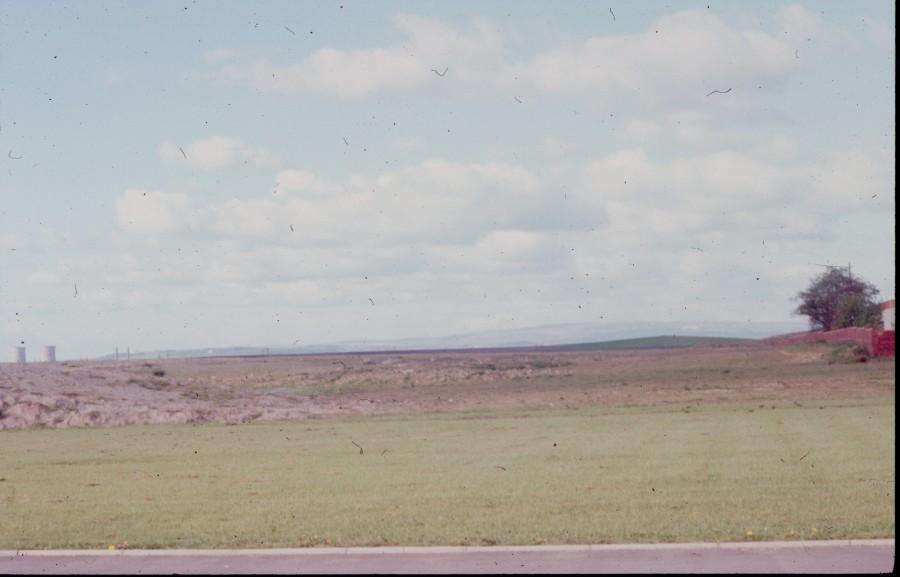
(209, 173)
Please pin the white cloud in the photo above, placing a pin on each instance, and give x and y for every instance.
(633, 221)
(213, 152)
(882, 34)
(862, 178)
(249, 218)
(153, 212)
(778, 148)
(681, 56)
(643, 131)
(505, 251)
(294, 180)
(430, 44)
(711, 129)
(641, 201)
(807, 31)
(218, 55)
(43, 277)
(436, 199)
(497, 207)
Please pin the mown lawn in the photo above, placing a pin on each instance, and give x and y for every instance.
(715, 473)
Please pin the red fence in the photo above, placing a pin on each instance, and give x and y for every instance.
(877, 343)
(883, 343)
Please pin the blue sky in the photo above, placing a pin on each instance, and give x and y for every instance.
(228, 173)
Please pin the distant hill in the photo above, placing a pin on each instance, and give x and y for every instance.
(660, 342)
(564, 334)
(587, 336)
(656, 342)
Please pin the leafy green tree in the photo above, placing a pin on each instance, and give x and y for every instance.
(835, 300)
(856, 311)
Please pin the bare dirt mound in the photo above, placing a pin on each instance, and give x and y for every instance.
(236, 390)
(104, 394)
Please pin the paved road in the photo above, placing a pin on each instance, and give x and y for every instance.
(785, 557)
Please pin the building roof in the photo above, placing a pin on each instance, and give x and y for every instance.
(887, 304)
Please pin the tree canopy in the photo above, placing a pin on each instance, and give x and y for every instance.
(836, 300)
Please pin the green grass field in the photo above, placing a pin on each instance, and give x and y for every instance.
(656, 474)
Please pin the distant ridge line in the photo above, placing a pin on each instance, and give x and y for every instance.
(639, 343)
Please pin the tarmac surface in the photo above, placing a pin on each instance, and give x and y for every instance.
(869, 556)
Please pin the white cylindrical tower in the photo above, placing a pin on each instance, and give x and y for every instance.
(49, 354)
(19, 355)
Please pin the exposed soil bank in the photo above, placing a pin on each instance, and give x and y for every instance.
(235, 390)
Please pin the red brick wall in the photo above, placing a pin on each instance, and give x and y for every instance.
(884, 344)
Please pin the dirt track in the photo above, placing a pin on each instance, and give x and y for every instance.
(234, 390)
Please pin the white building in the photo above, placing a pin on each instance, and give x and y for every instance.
(888, 318)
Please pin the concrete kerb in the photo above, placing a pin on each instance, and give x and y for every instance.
(448, 549)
